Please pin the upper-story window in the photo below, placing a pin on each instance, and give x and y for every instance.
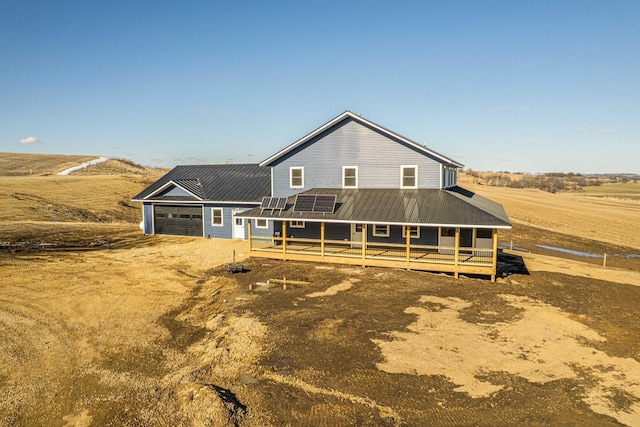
(349, 177)
(408, 176)
(296, 177)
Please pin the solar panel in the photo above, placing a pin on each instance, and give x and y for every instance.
(304, 203)
(282, 203)
(317, 203)
(324, 203)
(273, 203)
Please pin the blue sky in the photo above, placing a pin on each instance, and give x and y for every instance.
(497, 85)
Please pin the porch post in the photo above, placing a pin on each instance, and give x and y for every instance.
(364, 243)
(322, 239)
(456, 254)
(284, 240)
(249, 234)
(408, 236)
(494, 254)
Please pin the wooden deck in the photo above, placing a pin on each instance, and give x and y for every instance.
(454, 260)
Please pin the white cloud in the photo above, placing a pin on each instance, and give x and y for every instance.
(587, 129)
(524, 108)
(30, 140)
(498, 108)
(607, 131)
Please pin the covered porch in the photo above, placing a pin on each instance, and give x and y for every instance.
(451, 254)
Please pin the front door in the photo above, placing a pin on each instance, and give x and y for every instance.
(356, 235)
(466, 237)
(238, 225)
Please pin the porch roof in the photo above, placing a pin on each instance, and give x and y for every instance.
(427, 207)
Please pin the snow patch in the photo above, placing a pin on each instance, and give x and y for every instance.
(73, 169)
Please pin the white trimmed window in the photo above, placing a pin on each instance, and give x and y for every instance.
(408, 176)
(349, 177)
(380, 230)
(414, 231)
(296, 224)
(262, 223)
(216, 217)
(296, 177)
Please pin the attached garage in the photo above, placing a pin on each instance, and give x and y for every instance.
(178, 220)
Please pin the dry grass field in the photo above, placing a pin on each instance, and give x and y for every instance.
(21, 164)
(101, 325)
(613, 219)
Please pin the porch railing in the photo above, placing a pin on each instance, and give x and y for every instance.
(373, 250)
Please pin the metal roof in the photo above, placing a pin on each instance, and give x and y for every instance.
(348, 114)
(220, 183)
(428, 207)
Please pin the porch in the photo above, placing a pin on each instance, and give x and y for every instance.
(454, 258)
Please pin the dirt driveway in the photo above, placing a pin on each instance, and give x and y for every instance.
(156, 333)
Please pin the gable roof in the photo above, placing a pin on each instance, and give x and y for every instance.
(349, 115)
(454, 207)
(213, 183)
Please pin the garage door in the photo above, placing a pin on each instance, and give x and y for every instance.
(178, 220)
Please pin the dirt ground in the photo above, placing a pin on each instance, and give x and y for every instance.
(153, 331)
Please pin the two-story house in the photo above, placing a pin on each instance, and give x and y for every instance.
(349, 192)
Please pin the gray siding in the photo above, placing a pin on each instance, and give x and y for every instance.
(265, 232)
(312, 231)
(226, 231)
(428, 236)
(175, 191)
(339, 231)
(352, 144)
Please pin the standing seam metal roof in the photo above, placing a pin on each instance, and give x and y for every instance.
(452, 207)
(222, 183)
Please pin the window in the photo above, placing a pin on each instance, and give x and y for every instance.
(448, 232)
(262, 223)
(296, 224)
(414, 231)
(238, 221)
(408, 176)
(380, 230)
(296, 177)
(484, 233)
(216, 217)
(349, 177)
(173, 215)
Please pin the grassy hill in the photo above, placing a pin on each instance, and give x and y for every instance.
(40, 205)
(21, 164)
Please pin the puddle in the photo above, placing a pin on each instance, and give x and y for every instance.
(571, 252)
(586, 254)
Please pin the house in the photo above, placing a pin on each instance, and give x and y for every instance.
(350, 192)
(203, 200)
